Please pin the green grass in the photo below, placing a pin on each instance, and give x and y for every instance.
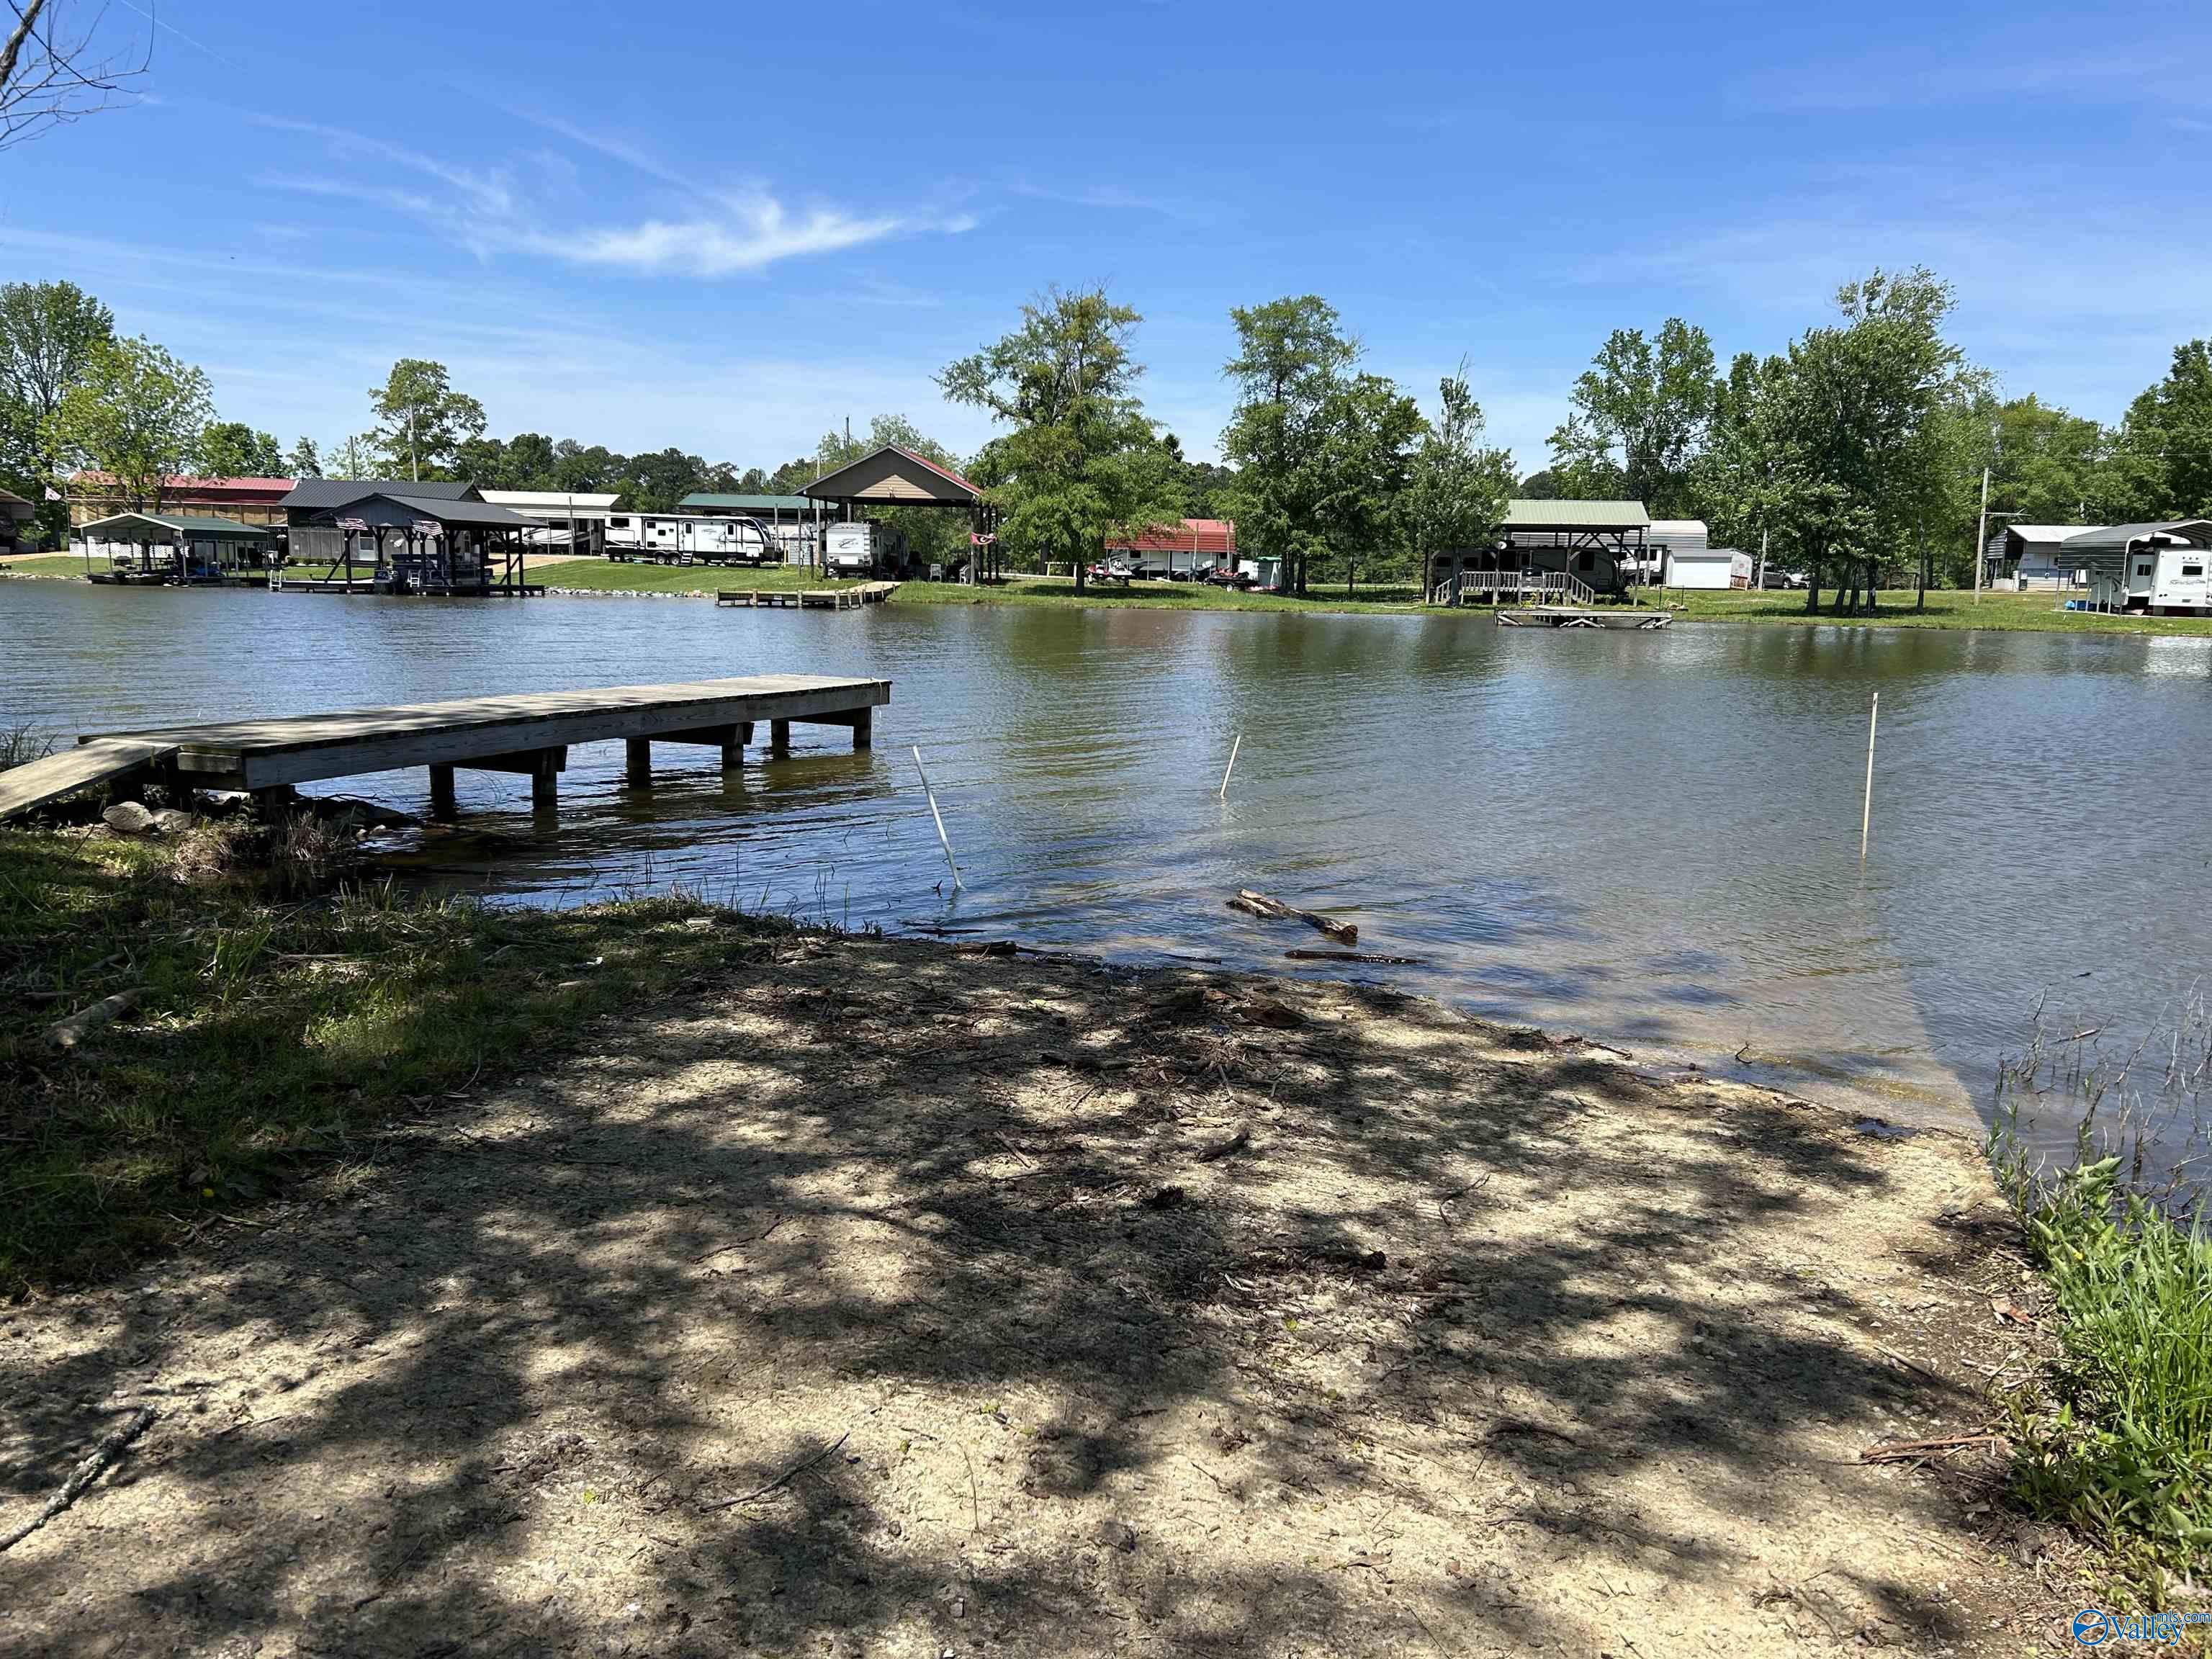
(48, 564)
(610, 576)
(274, 1030)
(1948, 608)
(2117, 1437)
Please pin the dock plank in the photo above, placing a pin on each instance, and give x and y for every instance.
(37, 782)
(302, 748)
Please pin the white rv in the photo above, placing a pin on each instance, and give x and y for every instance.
(685, 538)
(864, 550)
(2158, 568)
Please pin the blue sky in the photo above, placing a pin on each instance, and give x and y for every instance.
(727, 227)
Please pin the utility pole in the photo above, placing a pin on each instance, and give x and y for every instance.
(1981, 533)
(415, 461)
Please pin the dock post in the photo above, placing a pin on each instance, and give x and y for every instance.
(864, 729)
(638, 757)
(544, 785)
(442, 802)
(733, 747)
(778, 737)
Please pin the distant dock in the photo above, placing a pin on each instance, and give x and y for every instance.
(1561, 616)
(812, 599)
(529, 735)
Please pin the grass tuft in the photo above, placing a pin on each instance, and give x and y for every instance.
(280, 1025)
(2115, 1435)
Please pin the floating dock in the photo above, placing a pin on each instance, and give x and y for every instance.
(531, 735)
(1562, 616)
(812, 598)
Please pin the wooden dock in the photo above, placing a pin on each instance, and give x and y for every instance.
(812, 598)
(1562, 616)
(529, 734)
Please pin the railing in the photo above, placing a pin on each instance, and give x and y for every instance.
(1520, 586)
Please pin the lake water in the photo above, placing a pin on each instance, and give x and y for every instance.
(1650, 838)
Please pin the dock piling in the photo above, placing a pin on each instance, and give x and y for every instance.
(637, 762)
(444, 803)
(778, 737)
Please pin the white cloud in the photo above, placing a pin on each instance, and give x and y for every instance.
(753, 233)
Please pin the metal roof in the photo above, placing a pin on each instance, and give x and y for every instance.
(207, 530)
(186, 484)
(822, 489)
(1191, 535)
(449, 511)
(1576, 516)
(2048, 533)
(1678, 527)
(312, 493)
(2115, 538)
(749, 503)
(561, 499)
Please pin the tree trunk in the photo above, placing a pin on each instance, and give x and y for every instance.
(1812, 587)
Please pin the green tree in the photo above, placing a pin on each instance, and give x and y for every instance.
(1638, 419)
(656, 483)
(49, 332)
(1844, 450)
(1365, 465)
(2160, 464)
(1457, 487)
(422, 422)
(137, 414)
(232, 449)
(1291, 356)
(305, 461)
(1079, 461)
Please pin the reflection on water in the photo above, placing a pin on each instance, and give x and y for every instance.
(1649, 837)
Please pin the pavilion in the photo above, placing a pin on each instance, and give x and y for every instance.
(894, 476)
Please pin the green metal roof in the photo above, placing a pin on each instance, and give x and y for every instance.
(1576, 516)
(749, 503)
(206, 530)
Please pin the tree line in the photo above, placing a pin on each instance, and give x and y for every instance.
(1856, 454)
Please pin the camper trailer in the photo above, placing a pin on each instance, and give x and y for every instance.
(2158, 568)
(865, 549)
(686, 538)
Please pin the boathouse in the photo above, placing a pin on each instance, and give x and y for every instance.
(173, 547)
(1548, 550)
(419, 536)
(18, 524)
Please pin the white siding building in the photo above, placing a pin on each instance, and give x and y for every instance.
(577, 522)
(1683, 550)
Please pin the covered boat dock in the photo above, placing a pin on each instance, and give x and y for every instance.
(161, 548)
(437, 537)
(1550, 552)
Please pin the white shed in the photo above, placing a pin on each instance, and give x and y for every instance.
(1690, 560)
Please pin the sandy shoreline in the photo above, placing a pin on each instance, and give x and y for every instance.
(875, 1297)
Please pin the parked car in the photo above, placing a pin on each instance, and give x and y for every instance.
(1785, 579)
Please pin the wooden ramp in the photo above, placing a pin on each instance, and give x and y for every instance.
(528, 734)
(99, 761)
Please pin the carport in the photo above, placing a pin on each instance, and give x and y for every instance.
(894, 476)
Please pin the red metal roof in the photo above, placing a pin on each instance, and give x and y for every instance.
(1200, 535)
(207, 487)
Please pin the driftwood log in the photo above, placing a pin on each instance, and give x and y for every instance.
(1352, 956)
(1273, 910)
(66, 1034)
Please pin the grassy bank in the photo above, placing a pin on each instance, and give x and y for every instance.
(610, 576)
(271, 1029)
(48, 564)
(2038, 613)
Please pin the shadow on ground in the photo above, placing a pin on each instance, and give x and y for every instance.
(878, 1299)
